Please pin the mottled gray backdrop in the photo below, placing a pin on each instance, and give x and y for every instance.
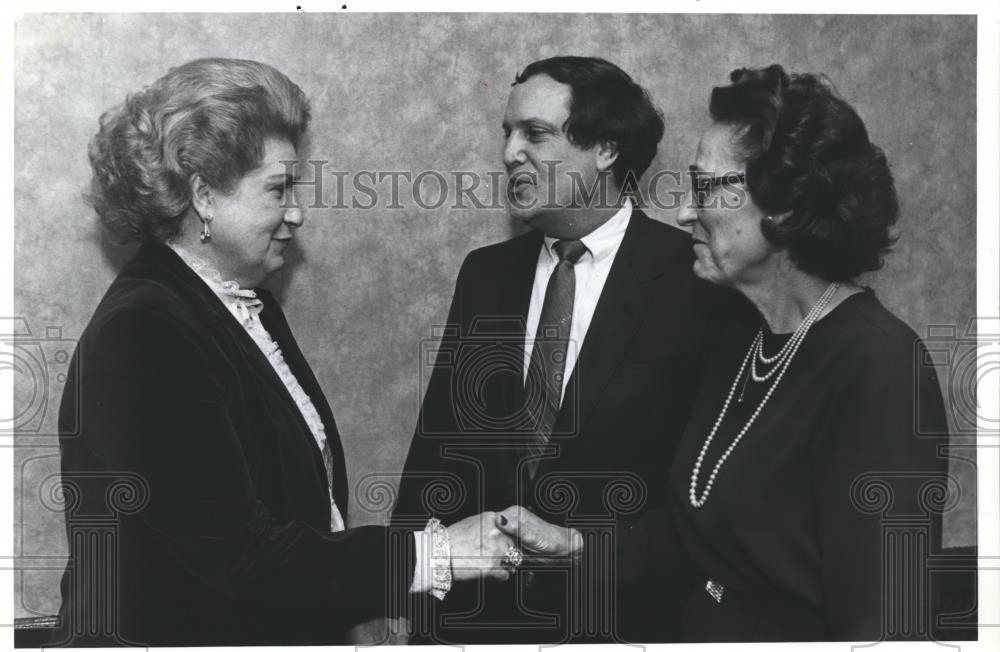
(398, 92)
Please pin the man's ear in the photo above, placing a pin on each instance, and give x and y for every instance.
(201, 197)
(607, 154)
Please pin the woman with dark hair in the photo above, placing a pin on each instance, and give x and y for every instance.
(803, 418)
(203, 473)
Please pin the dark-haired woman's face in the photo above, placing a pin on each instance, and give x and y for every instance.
(253, 225)
(729, 247)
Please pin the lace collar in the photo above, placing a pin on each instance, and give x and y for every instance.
(242, 302)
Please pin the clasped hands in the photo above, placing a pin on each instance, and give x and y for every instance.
(492, 544)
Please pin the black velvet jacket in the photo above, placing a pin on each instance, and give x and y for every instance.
(197, 506)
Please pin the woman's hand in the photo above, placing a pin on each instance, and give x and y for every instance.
(478, 548)
(538, 538)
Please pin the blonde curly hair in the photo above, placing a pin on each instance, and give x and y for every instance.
(209, 117)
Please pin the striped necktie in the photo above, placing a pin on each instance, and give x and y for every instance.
(543, 388)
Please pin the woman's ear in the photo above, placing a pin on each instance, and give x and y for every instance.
(607, 154)
(201, 197)
(779, 218)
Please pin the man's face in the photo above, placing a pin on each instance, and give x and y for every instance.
(548, 176)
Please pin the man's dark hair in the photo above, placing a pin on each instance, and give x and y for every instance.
(606, 106)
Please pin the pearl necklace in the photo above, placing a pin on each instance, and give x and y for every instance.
(758, 347)
(784, 359)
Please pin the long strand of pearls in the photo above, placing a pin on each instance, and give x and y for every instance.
(792, 346)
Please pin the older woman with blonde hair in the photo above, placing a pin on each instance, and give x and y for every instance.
(188, 386)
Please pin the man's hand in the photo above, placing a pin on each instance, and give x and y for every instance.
(542, 541)
(478, 548)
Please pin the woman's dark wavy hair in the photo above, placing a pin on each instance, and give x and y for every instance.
(807, 153)
(606, 106)
(209, 117)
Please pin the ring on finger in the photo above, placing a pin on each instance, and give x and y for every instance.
(513, 558)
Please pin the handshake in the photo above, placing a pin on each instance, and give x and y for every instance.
(494, 544)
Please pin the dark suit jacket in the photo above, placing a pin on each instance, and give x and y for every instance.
(197, 505)
(624, 409)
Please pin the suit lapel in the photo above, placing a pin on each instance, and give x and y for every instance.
(619, 313)
(516, 281)
(514, 296)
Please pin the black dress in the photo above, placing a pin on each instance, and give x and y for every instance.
(826, 507)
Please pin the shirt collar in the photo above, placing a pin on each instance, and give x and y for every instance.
(605, 239)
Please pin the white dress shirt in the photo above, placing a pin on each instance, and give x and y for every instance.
(591, 272)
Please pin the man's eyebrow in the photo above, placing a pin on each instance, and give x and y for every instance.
(284, 177)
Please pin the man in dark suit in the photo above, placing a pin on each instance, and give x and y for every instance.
(565, 375)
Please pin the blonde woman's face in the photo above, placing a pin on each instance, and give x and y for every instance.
(253, 224)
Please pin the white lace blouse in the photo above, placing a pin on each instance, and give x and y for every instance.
(244, 305)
